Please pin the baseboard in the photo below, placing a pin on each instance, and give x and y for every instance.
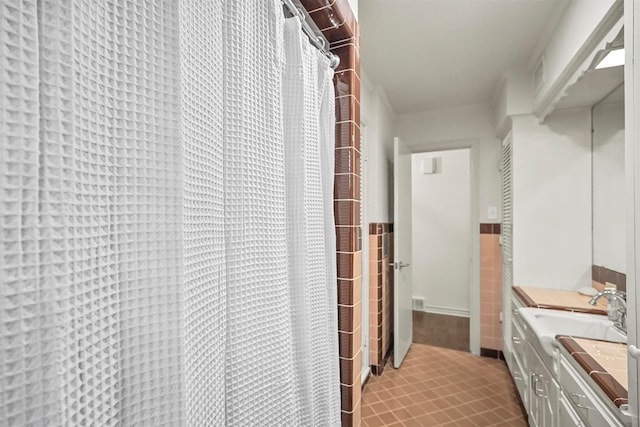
(494, 354)
(446, 311)
(367, 375)
(385, 359)
(377, 370)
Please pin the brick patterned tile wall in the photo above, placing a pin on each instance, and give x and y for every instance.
(387, 302)
(601, 275)
(380, 294)
(490, 287)
(338, 24)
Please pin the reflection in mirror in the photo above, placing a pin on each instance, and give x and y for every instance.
(608, 190)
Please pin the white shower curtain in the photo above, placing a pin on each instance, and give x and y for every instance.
(204, 259)
(309, 140)
(259, 351)
(149, 264)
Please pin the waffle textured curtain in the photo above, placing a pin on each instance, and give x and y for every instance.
(167, 246)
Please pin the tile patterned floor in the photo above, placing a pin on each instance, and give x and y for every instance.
(442, 387)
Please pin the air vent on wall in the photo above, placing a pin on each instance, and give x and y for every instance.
(418, 304)
(538, 74)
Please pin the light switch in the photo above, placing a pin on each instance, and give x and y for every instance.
(492, 212)
(429, 166)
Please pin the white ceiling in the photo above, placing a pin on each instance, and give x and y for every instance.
(430, 54)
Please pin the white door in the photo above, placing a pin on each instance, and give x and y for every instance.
(402, 292)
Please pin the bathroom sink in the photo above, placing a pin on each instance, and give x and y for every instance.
(546, 324)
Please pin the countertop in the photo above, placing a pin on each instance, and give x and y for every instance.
(605, 362)
(556, 299)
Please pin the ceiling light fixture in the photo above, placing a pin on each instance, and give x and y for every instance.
(613, 58)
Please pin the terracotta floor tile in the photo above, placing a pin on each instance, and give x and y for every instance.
(456, 400)
(429, 406)
(442, 403)
(413, 423)
(441, 417)
(394, 404)
(388, 418)
(371, 397)
(413, 388)
(476, 406)
(427, 420)
(381, 407)
(465, 422)
(492, 417)
(455, 414)
(402, 414)
(481, 420)
(398, 394)
(384, 395)
(417, 410)
(406, 400)
(416, 398)
(428, 394)
(502, 413)
(438, 387)
(367, 410)
(372, 422)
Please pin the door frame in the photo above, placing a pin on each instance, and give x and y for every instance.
(632, 166)
(364, 292)
(472, 145)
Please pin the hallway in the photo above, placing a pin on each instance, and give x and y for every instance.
(441, 387)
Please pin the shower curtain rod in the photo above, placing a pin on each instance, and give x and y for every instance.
(315, 36)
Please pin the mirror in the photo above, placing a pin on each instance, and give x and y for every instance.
(608, 190)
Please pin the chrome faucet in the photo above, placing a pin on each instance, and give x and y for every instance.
(616, 307)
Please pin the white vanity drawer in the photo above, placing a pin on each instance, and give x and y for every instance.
(520, 379)
(567, 416)
(518, 364)
(515, 316)
(582, 399)
(518, 343)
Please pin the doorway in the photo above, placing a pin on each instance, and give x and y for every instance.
(442, 245)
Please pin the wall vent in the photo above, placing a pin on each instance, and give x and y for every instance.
(418, 304)
(538, 74)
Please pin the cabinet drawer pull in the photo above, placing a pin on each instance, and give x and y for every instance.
(515, 312)
(534, 385)
(516, 340)
(579, 405)
(577, 398)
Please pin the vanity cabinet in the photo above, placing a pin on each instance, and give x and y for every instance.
(567, 416)
(543, 391)
(518, 362)
(510, 312)
(579, 397)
